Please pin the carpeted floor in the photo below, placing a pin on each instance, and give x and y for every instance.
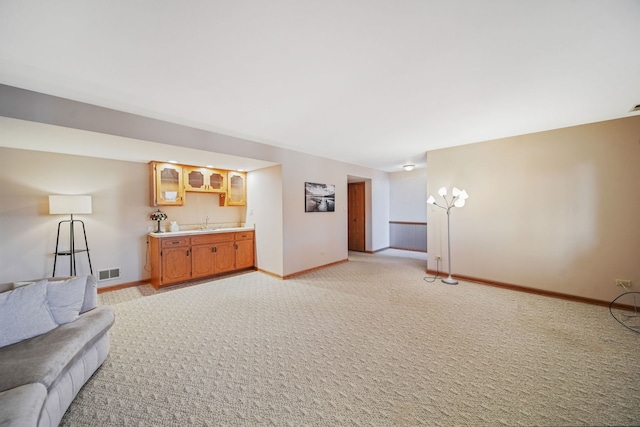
(368, 342)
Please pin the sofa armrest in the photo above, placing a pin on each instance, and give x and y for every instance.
(21, 406)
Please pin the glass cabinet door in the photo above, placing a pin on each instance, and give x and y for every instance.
(169, 189)
(218, 180)
(237, 193)
(194, 179)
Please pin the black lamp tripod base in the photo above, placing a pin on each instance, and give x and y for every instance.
(71, 253)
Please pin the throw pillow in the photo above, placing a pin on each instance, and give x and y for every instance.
(90, 295)
(24, 313)
(65, 299)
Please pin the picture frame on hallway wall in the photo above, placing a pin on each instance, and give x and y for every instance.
(319, 197)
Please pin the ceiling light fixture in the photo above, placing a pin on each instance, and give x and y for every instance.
(408, 167)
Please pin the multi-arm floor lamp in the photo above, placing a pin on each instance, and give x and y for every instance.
(457, 200)
(70, 205)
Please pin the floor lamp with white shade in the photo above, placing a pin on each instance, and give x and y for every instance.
(457, 200)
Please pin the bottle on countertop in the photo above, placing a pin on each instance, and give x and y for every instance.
(174, 226)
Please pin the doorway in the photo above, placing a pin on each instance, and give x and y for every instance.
(356, 216)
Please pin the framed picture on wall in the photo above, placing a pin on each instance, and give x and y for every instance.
(319, 197)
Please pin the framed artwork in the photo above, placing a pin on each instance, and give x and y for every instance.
(319, 197)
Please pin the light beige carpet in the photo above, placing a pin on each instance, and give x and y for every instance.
(364, 343)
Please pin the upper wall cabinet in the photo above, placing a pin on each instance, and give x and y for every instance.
(205, 180)
(237, 193)
(166, 184)
(170, 181)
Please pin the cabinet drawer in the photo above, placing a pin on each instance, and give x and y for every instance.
(245, 235)
(175, 242)
(211, 238)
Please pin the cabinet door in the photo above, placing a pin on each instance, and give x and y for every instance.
(168, 184)
(176, 265)
(202, 260)
(195, 179)
(237, 192)
(217, 181)
(244, 254)
(225, 257)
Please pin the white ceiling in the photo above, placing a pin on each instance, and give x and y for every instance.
(370, 82)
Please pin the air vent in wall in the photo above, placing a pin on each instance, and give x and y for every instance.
(112, 273)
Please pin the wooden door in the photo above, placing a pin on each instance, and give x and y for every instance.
(356, 216)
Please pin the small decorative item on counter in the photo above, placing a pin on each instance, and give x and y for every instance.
(174, 227)
(158, 216)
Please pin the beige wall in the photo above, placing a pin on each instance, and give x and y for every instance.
(312, 238)
(264, 210)
(116, 230)
(288, 240)
(408, 196)
(554, 210)
(300, 239)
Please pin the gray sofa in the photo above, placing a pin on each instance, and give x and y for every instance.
(53, 337)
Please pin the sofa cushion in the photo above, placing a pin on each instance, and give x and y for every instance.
(90, 295)
(21, 406)
(45, 357)
(24, 313)
(65, 298)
